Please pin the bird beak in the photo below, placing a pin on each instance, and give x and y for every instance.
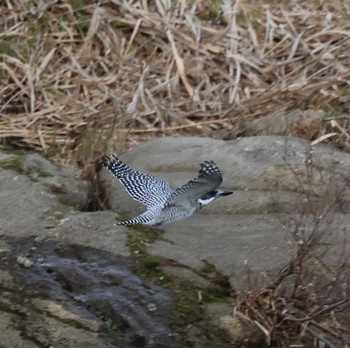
(225, 193)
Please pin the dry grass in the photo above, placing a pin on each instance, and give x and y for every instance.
(80, 78)
(307, 303)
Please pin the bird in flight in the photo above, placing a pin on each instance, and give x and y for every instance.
(164, 204)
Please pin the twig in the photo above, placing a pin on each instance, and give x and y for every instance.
(181, 68)
(169, 129)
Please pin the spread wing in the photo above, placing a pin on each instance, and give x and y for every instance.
(145, 188)
(209, 179)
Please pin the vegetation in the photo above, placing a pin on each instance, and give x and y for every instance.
(80, 78)
(307, 303)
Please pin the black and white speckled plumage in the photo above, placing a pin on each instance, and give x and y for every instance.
(164, 204)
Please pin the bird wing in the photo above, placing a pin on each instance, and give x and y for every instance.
(209, 179)
(145, 188)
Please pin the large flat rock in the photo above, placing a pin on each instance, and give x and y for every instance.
(277, 182)
(267, 167)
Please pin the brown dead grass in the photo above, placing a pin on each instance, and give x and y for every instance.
(80, 78)
(306, 303)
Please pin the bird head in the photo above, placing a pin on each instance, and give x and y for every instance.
(212, 195)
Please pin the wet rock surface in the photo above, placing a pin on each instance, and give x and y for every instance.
(80, 296)
(66, 278)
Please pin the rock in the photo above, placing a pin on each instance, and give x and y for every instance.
(65, 276)
(24, 205)
(185, 277)
(261, 164)
(297, 122)
(96, 229)
(68, 191)
(83, 296)
(62, 183)
(24, 261)
(58, 311)
(12, 335)
(242, 333)
(6, 279)
(5, 157)
(55, 333)
(36, 166)
(234, 246)
(274, 179)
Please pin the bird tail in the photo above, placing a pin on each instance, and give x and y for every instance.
(143, 219)
(128, 222)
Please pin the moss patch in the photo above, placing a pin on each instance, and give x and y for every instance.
(188, 302)
(44, 174)
(13, 163)
(146, 266)
(187, 306)
(210, 272)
